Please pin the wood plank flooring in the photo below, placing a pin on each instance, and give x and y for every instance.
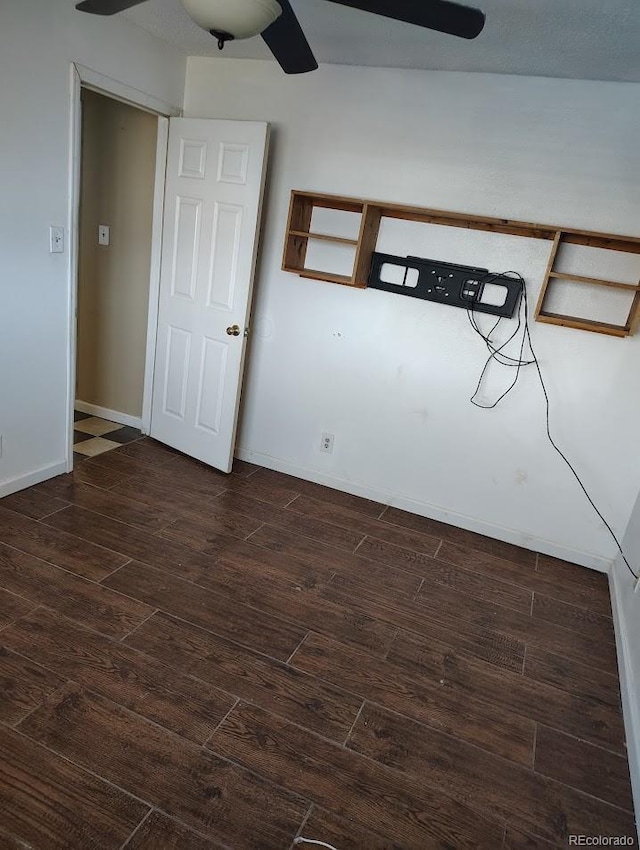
(192, 661)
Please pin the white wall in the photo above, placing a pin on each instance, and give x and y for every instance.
(391, 376)
(38, 41)
(626, 606)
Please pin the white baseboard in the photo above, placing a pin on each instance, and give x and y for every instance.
(21, 482)
(628, 690)
(110, 415)
(507, 535)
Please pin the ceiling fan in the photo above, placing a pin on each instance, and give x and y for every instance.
(276, 21)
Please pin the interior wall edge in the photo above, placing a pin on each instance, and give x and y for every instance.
(628, 685)
(507, 535)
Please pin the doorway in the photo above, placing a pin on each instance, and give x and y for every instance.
(208, 185)
(116, 206)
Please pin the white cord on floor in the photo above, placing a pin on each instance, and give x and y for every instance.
(301, 840)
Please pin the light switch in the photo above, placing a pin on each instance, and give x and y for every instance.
(104, 234)
(56, 240)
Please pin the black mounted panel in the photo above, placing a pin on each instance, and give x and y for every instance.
(448, 283)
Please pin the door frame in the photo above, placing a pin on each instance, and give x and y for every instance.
(84, 77)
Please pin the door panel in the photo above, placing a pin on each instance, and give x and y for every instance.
(176, 373)
(211, 386)
(215, 180)
(225, 248)
(185, 251)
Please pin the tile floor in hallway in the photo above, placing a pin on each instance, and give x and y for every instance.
(199, 661)
(93, 436)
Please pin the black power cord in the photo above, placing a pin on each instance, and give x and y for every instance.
(497, 354)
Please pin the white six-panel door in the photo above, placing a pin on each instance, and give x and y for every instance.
(213, 196)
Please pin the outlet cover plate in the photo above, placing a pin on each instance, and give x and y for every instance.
(326, 443)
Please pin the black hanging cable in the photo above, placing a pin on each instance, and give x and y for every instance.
(518, 364)
(497, 354)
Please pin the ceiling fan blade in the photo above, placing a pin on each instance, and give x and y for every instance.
(106, 7)
(441, 15)
(287, 42)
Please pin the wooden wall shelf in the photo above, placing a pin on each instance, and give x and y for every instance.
(299, 234)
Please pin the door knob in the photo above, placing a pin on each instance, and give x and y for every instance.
(233, 330)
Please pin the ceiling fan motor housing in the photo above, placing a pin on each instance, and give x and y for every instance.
(233, 19)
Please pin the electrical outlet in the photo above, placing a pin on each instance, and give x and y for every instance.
(326, 443)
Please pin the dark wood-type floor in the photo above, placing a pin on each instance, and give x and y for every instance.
(196, 661)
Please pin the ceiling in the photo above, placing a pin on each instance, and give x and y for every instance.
(581, 39)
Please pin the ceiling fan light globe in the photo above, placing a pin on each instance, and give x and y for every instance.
(238, 18)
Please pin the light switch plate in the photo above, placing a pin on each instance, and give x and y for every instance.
(104, 234)
(56, 240)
